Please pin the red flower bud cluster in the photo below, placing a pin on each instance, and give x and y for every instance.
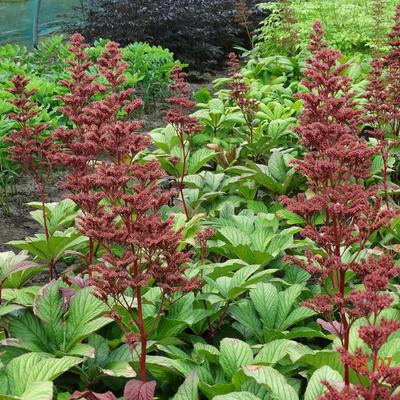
(202, 238)
(239, 94)
(29, 146)
(184, 124)
(336, 165)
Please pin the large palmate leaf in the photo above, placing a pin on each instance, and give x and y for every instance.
(286, 301)
(198, 159)
(51, 328)
(52, 248)
(59, 215)
(231, 287)
(254, 238)
(270, 312)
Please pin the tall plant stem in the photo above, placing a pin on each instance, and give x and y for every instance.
(44, 213)
(46, 231)
(90, 256)
(220, 320)
(385, 185)
(346, 327)
(143, 337)
(182, 178)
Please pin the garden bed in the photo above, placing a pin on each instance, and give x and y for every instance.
(227, 240)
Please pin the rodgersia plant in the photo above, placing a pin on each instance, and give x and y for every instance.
(383, 99)
(29, 146)
(336, 165)
(120, 197)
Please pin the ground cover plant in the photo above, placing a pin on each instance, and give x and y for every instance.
(245, 249)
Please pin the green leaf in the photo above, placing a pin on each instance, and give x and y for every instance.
(315, 388)
(182, 309)
(39, 391)
(297, 315)
(237, 396)
(265, 300)
(188, 390)
(273, 379)
(31, 332)
(48, 306)
(82, 350)
(235, 236)
(9, 308)
(52, 248)
(29, 368)
(286, 300)
(198, 159)
(277, 166)
(322, 358)
(203, 351)
(244, 312)
(16, 269)
(234, 354)
(291, 218)
(119, 369)
(82, 317)
(273, 352)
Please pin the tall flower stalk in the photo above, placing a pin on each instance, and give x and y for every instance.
(336, 165)
(120, 196)
(243, 18)
(30, 147)
(185, 125)
(238, 94)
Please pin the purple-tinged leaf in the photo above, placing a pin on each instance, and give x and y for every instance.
(334, 327)
(138, 390)
(88, 395)
(67, 294)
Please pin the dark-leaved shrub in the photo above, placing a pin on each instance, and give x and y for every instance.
(199, 32)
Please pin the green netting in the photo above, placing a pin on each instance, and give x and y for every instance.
(17, 18)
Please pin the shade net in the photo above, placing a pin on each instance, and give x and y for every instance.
(17, 18)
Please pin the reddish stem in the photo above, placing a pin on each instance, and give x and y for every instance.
(143, 337)
(181, 184)
(385, 186)
(90, 256)
(346, 327)
(46, 232)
